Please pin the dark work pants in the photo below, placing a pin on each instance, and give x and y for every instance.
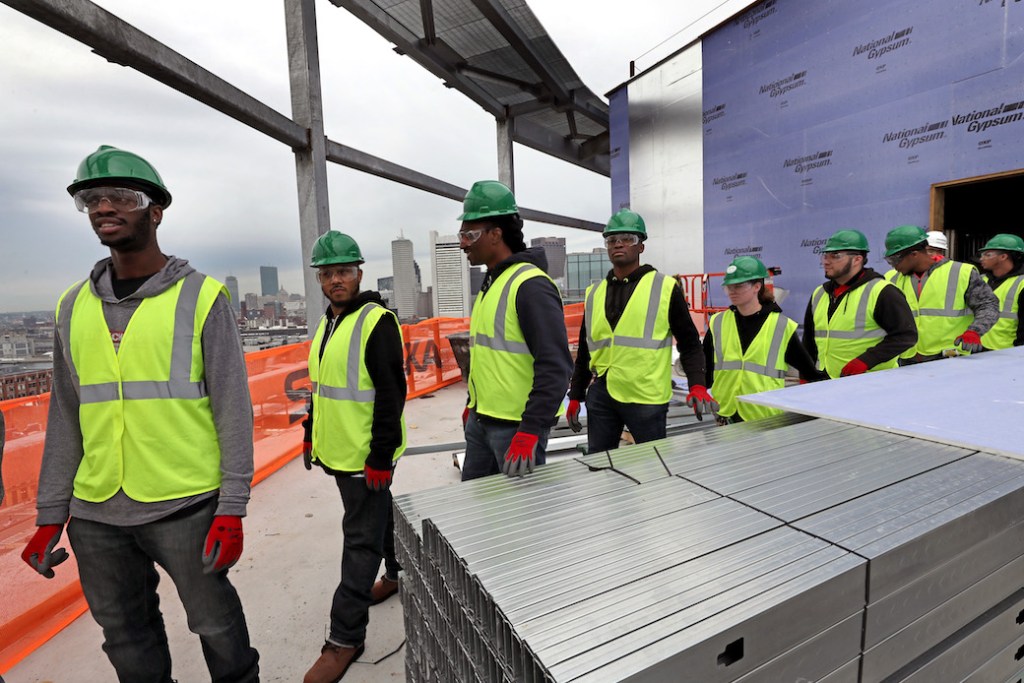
(606, 417)
(369, 530)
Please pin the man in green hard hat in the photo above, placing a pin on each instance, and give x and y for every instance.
(519, 358)
(149, 453)
(355, 431)
(1002, 260)
(953, 305)
(856, 321)
(624, 362)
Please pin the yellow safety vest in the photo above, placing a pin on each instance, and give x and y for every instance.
(343, 393)
(941, 311)
(147, 426)
(1004, 332)
(852, 329)
(636, 357)
(500, 362)
(761, 368)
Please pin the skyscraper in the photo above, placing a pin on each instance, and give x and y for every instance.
(231, 282)
(450, 269)
(268, 280)
(554, 250)
(404, 273)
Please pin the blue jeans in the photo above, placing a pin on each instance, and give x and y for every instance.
(119, 579)
(486, 444)
(606, 417)
(369, 529)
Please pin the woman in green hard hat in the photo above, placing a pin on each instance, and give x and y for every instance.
(750, 347)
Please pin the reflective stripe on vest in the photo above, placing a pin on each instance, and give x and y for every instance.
(1004, 332)
(145, 399)
(944, 315)
(762, 367)
(843, 337)
(636, 357)
(343, 391)
(500, 362)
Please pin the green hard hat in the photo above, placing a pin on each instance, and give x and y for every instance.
(625, 220)
(903, 238)
(107, 165)
(745, 269)
(488, 198)
(847, 240)
(335, 247)
(1005, 242)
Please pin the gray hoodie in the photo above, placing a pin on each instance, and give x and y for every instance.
(227, 385)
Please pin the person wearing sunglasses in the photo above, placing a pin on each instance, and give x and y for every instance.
(149, 453)
(856, 321)
(624, 362)
(953, 305)
(749, 347)
(1002, 261)
(355, 431)
(519, 360)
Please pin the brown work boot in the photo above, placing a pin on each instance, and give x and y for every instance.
(333, 663)
(383, 589)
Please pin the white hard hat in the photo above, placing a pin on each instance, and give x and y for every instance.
(937, 240)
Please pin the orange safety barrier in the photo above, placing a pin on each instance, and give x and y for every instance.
(33, 609)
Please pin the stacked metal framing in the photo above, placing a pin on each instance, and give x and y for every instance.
(786, 550)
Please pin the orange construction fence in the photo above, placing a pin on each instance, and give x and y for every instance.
(33, 609)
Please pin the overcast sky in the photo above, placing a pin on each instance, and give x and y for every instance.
(235, 205)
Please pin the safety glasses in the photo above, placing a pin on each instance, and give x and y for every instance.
(895, 259)
(328, 273)
(628, 239)
(119, 198)
(469, 237)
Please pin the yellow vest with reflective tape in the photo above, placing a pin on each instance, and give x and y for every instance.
(1004, 332)
(761, 368)
(343, 393)
(941, 310)
(636, 357)
(852, 329)
(147, 426)
(500, 363)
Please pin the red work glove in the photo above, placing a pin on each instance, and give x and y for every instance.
(377, 480)
(223, 544)
(465, 416)
(700, 400)
(969, 341)
(39, 553)
(572, 416)
(854, 367)
(307, 454)
(520, 454)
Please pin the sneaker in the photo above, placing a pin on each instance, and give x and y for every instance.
(333, 663)
(383, 589)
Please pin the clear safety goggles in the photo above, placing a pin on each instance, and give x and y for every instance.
(469, 237)
(328, 273)
(119, 198)
(628, 239)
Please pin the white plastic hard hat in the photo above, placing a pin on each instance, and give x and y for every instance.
(937, 240)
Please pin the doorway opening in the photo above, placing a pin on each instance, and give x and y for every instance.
(971, 210)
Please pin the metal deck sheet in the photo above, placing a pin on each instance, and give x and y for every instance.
(910, 527)
(814, 660)
(970, 401)
(848, 673)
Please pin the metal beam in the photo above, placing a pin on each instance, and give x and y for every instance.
(427, 16)
(118, 41)
(549, 142)
(311, 162)
(506, 159)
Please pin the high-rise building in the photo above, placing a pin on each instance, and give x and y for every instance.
(231, 282)
(268, 280)
(404, 271)
(582, 270)
(554, 250)
(385, 283)
(450, 268)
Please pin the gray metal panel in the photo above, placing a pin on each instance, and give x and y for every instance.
(925, 400)
(995, 669)
(941, 584)
(971, 648)
(910, 527)
(848, 673)
(814, 659)
(942, 622)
